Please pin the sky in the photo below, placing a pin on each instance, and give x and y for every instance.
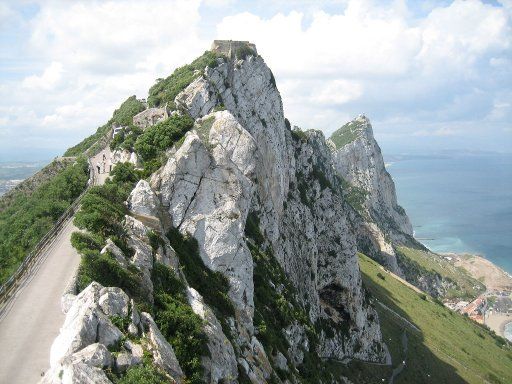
(430, 75)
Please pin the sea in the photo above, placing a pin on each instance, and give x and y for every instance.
(12, 173)
(458, 201)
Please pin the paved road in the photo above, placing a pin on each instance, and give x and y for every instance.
(32, 318)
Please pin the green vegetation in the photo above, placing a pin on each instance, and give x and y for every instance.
(122, 116)
(299, 135)
(213, 286)
(346, 134)
(276, 309)
(106, 270)
(157, 138)
(25, 219)
(178, 323)
(143, 374)
(103, 209)
(416, 263)
(165, 90)
(101, 214)
(125, 139)
(355, 196)
(449, 347)
(244, 51)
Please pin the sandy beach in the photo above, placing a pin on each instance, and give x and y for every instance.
(497, 322)
(494, 278)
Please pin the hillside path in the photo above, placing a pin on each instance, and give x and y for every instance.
(32, 318)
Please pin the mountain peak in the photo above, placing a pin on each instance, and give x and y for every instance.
(353, 130)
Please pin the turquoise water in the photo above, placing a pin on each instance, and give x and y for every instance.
(508, 331)
(458, 202)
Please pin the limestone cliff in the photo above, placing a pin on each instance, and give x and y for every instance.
(265, 208)
(358, 159)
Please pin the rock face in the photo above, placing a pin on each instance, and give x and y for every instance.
(242, 184)
(124, 156)
(80, 352)
(358, 159)
(245, 160)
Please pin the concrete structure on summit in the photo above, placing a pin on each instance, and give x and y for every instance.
(230, 47)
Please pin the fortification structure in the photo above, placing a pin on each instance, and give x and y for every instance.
(230, 47)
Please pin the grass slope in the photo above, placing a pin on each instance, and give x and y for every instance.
(26, 216)
(465, 286)
(346, 134)
(448, 348)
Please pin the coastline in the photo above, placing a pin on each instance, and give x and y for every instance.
(497, 322)
(492, 276)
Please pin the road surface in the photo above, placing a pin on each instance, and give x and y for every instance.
(31, 320)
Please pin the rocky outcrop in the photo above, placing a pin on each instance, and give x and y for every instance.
(242, 184)
(124, 156)
(221, 365)
(359, 161)
(246, 160)
(80, 352)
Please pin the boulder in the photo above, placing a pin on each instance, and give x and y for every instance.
(66, 301)
(85, 324)
(95, 355)
(77, 373)
(163, 354)
(114, 302)
(143, 201)
(116, 251)
(124, 360)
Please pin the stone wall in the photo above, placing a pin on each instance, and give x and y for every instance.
(229, 47)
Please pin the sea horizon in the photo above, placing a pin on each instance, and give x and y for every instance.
(458, 201)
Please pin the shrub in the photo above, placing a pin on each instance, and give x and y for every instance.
(184, 330)
(104, 269)
(178, 322)
(143, 374)
(252, 228)
(125, 173)
(86, 242)
(165, 90)
(123, 116)
(157, 138)
(244, 51)
(213, 286)
(25, 219)
(103, 209)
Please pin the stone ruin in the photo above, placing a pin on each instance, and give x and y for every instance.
(150, 117)
(230, 47)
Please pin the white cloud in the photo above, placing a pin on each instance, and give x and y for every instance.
(337, 92)
(48, 80)
(377, 58)
(95, 55)
(449, 65)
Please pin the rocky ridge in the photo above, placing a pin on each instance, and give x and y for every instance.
(255, 195)
(358, 159)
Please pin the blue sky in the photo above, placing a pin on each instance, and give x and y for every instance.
(431, 75)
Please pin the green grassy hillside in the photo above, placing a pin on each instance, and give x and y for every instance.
(442, 346)
(416, 263)
(346, 134)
